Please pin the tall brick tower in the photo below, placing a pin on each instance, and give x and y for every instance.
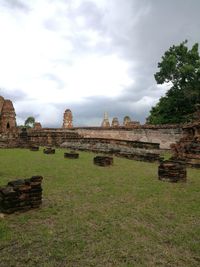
(7, 115)
(67, 119)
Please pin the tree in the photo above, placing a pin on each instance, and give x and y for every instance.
(29, 122)
(180, 67)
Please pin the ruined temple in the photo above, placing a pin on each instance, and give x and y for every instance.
(67, 119)
(37, 126)
(12, 136)
(7, 115)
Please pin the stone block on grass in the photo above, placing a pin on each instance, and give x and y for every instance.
(172, 171)
(103, 161)
(21, 195)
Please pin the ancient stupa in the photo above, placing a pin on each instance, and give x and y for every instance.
(115, 122)
(67, 119)
(7, 115)
(105, 123)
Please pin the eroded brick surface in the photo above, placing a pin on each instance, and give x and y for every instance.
(172, 171)
(21, 195)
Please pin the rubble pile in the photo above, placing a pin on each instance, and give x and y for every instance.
(21, 195)
(188, 147)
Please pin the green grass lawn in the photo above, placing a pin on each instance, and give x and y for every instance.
(94, 216)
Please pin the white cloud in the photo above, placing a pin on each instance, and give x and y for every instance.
(29, 51)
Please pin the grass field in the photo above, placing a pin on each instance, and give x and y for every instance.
(93, 216)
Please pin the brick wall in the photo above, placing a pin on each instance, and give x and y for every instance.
(164, 136)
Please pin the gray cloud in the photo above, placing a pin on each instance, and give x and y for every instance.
(15, 95)
(92, 14)
(15, 4)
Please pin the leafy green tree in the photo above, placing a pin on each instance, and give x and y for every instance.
(29, 122)
(180, 67)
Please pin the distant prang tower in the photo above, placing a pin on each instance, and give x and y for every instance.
(115, 122)
(67, 119)
(105, 123)
(127, 121)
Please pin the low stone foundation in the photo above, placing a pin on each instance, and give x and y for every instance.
(103, 161)
(51, 137)
(148, 157)
(128, 149)
(21, 195)
(172, 171)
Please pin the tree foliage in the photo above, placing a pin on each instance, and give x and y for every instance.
(180, 67)
(29, 122)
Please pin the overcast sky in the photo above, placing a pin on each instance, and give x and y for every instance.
(90, 56)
